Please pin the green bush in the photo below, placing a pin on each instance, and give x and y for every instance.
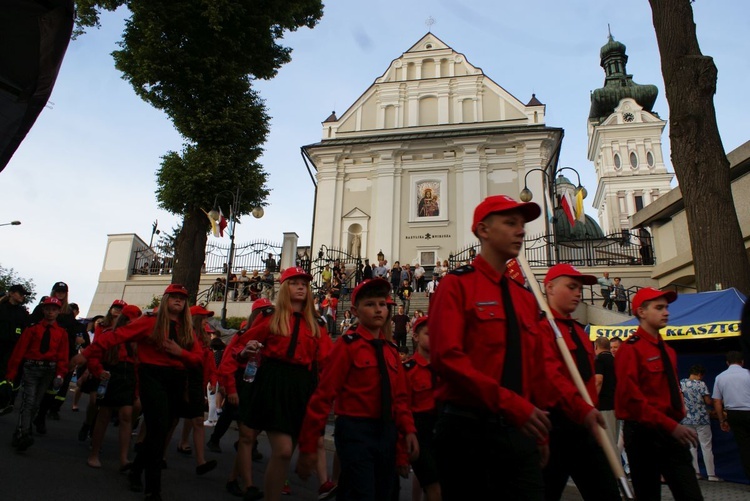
(234, 322)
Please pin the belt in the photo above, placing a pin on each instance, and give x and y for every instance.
(474, 414)
(42, 363)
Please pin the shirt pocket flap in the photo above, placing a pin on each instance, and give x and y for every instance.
(490, 310)
(655, 365)
(364, 358)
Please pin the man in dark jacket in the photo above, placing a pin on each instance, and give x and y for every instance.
(14, 318)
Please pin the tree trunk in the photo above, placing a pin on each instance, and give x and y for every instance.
(190, 252)
(698, 156)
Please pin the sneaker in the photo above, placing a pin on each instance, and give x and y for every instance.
(287, 490)
(209, 424)
(213, 446)
(327, 490)
(714, 478)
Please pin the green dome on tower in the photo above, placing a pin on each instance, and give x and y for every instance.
(587, 230)
(618, 84)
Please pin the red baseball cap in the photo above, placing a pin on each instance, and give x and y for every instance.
(649, 294)
(389, 301)
(53, 301)
(567, 270)
(420, 322)
(503, 203)
(176, 289)
(118, 303)
(294, 272)
(371, 282)
(131, 311)
(200, 310)
(261, 303)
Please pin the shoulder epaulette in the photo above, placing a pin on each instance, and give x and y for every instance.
(321, 321)
(462, 270)
(632, 339)
(410, 364)
(351, 337)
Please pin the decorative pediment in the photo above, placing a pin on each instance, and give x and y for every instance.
(629, 111)
(356, 213)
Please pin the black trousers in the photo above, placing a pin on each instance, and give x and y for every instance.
(481, 459)
(163, 394)
(653, 453)
(739, 422)
(574, 453)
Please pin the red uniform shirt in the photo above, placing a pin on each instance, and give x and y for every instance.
(309, 348)
(95, 364)
(642, 391)
(352, 379)
(140, 330)
(467, 348)
(565, 324)
(419, 376)
(27, 348)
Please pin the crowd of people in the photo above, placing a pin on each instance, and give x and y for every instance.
(483, 403)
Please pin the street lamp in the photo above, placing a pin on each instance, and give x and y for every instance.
(12, 223)
(154, 231)
(214, 214)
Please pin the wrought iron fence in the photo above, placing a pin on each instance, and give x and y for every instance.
(351, 268)
(257, 255)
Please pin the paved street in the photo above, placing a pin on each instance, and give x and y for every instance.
(55, 468)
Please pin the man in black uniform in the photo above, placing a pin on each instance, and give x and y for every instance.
(14, 318)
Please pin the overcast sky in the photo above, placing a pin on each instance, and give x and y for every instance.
(87, 168)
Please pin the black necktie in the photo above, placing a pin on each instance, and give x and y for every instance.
(129, 350)
(44, 346)
(385, 380)
(582, 356)
(512, 378)
(173, 330)
(295, 336)
(674, 388)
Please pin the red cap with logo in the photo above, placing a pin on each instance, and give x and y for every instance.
(420, 322)
(294, 272)
(261, 303)
(176, 289)
(649, 294)
(118, 303)
(200, 310)
(53, 301)
(567, 270)
(503, 203)
(369, 283)
(131, 311)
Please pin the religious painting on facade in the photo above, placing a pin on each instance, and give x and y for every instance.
(428, 198)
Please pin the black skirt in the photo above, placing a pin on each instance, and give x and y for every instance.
(277, 399)
(196, 404)
(121, 386)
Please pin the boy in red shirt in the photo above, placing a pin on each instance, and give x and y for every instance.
(43, 350)
(648, 399)
(365, 378)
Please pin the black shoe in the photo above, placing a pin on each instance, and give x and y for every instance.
(24, 442)
(54, 415)
(213, 446)
(41, 426)
(136, 485)
(83, 433)
(233, 488)
(252, 494)
(204, 468)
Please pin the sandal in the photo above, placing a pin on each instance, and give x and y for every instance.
(185, 450)
(204, 468)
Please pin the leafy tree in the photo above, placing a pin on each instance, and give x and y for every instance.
(196, 60)
(9, 277)
(698, 156)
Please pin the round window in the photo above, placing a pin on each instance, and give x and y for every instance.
(650, 159)
(633, 160)
(618, 162)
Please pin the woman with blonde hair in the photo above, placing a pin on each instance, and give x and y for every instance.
(166, 347)
(293, 342)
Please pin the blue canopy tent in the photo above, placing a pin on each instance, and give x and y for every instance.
(709, 325)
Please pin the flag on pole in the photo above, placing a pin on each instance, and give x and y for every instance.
(214, 226)
(580, 214)
(567, 206)
(222, 222)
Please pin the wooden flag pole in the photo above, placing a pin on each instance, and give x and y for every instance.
(603, 439)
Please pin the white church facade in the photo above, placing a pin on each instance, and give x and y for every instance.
(401, 170)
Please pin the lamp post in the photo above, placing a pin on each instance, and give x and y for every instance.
(214, 214)
(526, 195)
(154, 231)
(12, 223)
